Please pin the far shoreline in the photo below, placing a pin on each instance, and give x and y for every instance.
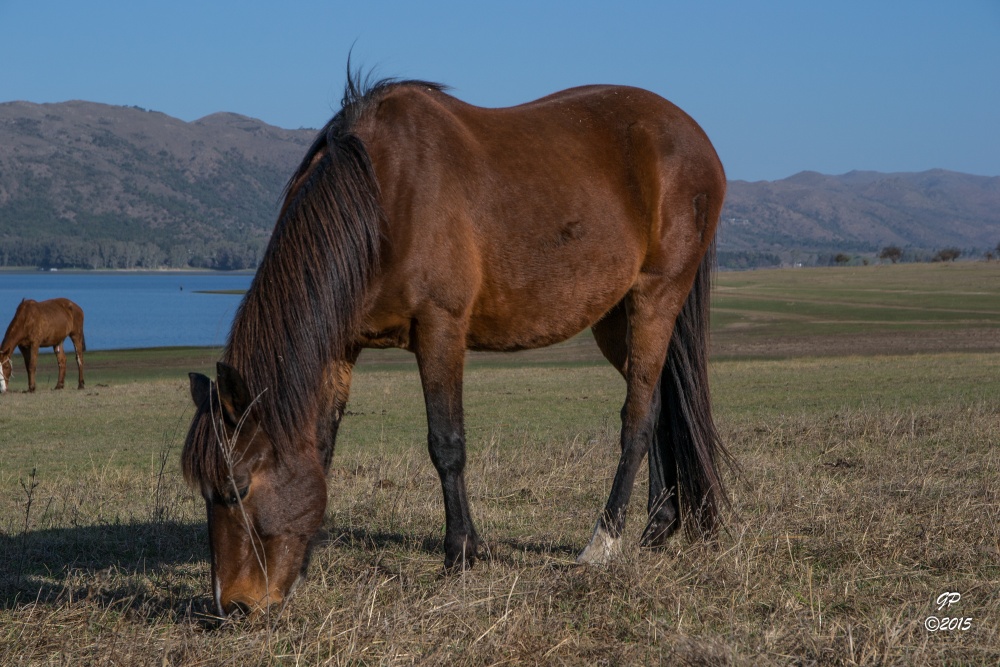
(94, 272)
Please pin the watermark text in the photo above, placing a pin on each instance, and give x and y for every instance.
(947, 623)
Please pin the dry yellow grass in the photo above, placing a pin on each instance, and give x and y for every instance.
(868, 490)
(854, 512)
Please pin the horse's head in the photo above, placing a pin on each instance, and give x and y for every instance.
(6, 372)
(263, 509)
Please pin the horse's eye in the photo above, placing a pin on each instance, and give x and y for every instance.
(232, 498)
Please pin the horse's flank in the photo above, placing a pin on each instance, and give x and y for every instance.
(525, 216)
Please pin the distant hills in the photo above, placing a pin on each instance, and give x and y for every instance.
(91, 185)
(97, 186)
(809, 215)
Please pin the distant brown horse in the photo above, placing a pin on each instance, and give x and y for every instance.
(43, 324)
(418, 221)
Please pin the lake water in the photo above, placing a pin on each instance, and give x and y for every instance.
(133, 310)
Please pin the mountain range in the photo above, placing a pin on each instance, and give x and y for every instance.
(811, 214)
(102, 186)
(97, 186)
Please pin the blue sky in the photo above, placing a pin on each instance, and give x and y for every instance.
(780, 87)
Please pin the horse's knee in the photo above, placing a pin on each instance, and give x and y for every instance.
(447, 452)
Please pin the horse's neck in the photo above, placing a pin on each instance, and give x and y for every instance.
(15, 332)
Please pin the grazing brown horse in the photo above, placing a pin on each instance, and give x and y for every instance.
(43, 324)
(421, 222)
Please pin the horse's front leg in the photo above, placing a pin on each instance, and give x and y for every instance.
(337, 388)
(440, 349)
(61, 360)
(30, 354)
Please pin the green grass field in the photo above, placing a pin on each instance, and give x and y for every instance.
(862, 404)
(881, 309)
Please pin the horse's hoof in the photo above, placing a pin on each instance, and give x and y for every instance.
(657, 534)
(463, 561)
(458, 565)
(463, 558)
(603, 548)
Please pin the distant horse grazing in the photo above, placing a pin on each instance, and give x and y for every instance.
(43, 324)
(418, 221)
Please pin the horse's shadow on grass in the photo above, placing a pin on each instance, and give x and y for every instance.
(143, 567)
(134, 562)
(497, 550)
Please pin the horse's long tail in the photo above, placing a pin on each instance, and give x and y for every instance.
(83, 337)
(686, 431)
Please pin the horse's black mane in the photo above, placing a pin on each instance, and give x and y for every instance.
(361, 93)
(302, 311)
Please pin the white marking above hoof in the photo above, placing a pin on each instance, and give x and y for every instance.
(603, 548)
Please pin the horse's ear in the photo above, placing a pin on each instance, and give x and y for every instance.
(233, 393)
(201, 387)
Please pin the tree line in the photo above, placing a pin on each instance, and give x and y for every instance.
(895, 255)
(74, 253)
(224, 255)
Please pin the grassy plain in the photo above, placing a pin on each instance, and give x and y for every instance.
(864, 415)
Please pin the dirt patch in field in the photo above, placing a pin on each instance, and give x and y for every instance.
(870, 343)
(736, 344)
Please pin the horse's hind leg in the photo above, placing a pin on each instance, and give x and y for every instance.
(650, 310)
(611, 334)
(61, 360)
(663, 505)
(440, 349)
(78, 348)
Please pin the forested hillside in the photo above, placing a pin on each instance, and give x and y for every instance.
(95, 186)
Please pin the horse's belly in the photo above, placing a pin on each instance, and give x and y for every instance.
(533, 319)
(546, 301)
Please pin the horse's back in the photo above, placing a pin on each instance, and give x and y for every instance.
(50, 322)
(578, 131)
(532, 220)
(60, 307)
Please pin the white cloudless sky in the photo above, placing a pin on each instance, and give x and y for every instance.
(780, 87)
